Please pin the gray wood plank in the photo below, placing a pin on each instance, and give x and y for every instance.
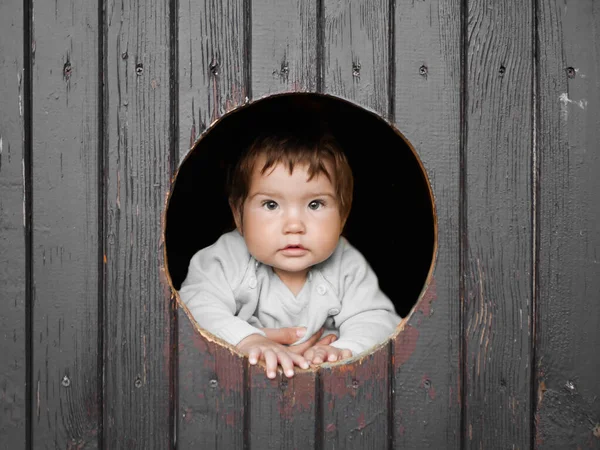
(355, 407)
(356, 52)
(65, 132)
(211, 392)
(13, 364)
(213, 79)
(213, 64)
(284, 46)
(427, 390)
(568, 283)
(138, 384)
(283, 412)
(497, 246)
(354, 403)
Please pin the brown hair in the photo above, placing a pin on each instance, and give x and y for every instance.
(291, 149)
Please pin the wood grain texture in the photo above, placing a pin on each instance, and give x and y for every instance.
(65, 132)
(283, 412)
(356, 52)
(567, 329)
(427, 390)
(138, 399)
(355, 407)
(212, 64)
(284, 46)
(354, 397)
(497, 246)
(13, 364)
(211, 392)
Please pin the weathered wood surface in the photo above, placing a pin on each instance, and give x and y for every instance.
(355, 403)
(213, 63)
(283, 413)
(513, 167)
(213, 40)
(497, 225)
(138, 389)
(212, 399)
(13, 248)
(66, 391)
(567, 393)
(427, 375)
(356, 60)
(356, 56)
(284, 46)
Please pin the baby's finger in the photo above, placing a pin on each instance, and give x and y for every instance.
(299, 360)
(346, 354)
(327, 340)
(284, 336)
(301, 348)
(320, 355)
(254, 355)
(309, 354)
(333, 356)
(271, 362)
(287, 364)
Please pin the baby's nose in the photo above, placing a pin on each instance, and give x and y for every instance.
(294, 224)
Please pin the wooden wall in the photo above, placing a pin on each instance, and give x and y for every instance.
(102, 100)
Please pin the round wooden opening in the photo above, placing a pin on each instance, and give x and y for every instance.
(392, 221)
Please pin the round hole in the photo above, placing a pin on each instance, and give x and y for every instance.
(392, 222)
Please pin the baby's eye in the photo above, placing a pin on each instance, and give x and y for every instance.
(316, 204)
(270, 205)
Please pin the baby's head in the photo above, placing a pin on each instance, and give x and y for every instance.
(290, 195)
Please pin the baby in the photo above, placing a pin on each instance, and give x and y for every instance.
(286, 264)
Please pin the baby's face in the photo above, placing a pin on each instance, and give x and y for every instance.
(289, 222)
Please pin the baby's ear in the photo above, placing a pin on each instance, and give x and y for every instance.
(237, 216)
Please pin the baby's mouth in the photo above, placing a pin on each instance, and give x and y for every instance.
(293, 250)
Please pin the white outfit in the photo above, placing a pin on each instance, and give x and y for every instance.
(231, 295)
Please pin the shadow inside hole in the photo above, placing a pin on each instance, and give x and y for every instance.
(391, 222)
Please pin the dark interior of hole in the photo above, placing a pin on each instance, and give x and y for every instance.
(391, 221)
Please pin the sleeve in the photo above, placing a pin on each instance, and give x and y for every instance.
(367, 316)
(208, 290)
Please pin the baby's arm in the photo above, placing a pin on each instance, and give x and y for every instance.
(367, 316)
(208, 290)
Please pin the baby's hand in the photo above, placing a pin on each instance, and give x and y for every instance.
(258, 347)
(326, 353)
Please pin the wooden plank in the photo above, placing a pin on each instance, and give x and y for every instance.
(355, 406)
(65, 133)
(213, 63)
(356, 51)
(567, 336)
(13, 364)
(211, 392)
(283, 412)
(213, 79)
(497, 252)
(427, 390)
(138, 407)
(284, 46)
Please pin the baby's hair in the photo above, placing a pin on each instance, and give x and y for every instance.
(313, 149)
